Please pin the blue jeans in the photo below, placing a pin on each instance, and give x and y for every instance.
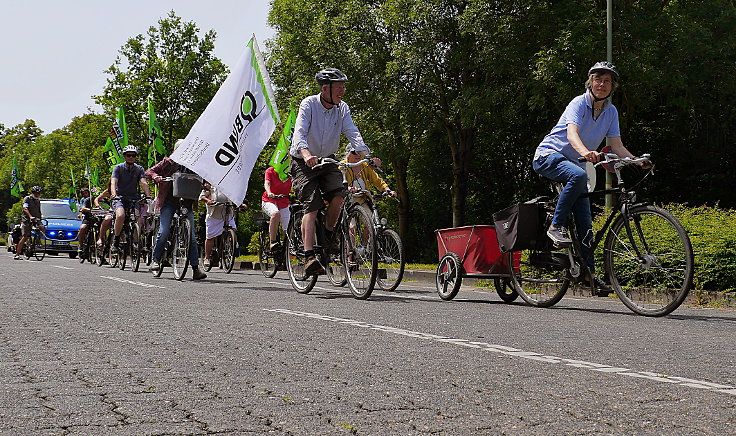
(560, 169)
(167, 214)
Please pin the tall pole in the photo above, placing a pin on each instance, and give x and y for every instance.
(609, 58)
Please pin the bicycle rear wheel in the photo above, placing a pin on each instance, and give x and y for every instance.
(227, 259)
(265, 257)
(294, 256)
(540, 277)
(335, 268)
(181, 247)
(39, 247)
(390, 259)
(650, 268)
(136, 247)
(359, 253)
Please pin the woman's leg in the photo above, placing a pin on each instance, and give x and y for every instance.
(558, 168)
(167, 213)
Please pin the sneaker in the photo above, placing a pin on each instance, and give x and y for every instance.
(312, 267)
(155, 266)
(16, 257)
(273, 247)
(559, 236)
(198, 274)
(207, 263)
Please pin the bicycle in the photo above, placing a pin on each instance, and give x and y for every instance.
(356, 260)
(223, 252)
(647, 255)
(130, 237)
(35, 245)
(389, 248)
(177, 244)
(270, 259)
(88, 248)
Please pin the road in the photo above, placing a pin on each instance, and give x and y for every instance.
(89, 350)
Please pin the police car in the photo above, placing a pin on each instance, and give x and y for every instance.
(63, 227)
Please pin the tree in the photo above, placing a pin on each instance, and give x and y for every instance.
(173, 65)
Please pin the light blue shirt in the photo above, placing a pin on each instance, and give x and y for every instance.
(592, 132)
(319, 129)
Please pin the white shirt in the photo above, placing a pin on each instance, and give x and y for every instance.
(319, 129)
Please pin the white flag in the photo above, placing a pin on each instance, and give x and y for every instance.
(225, 142)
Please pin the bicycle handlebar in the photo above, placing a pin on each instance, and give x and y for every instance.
(613, 158)
(328, 160)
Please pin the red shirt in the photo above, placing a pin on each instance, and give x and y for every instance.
(277, 187)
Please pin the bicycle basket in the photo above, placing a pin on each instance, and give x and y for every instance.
(523, 226)
(187, 186)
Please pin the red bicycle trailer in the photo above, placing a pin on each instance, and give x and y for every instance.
(472, 251)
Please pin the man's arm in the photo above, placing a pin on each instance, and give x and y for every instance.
(113, 187)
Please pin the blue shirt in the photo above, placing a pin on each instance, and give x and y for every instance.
(128, 180)
(319, 129)
(592, 132)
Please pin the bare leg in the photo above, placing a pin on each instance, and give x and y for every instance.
(273, 226)
(308, 226)
(333, 212)
(208, 244)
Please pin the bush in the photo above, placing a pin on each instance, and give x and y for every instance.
(713, 236)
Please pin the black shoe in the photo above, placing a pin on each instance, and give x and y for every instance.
(198, 274)
(601, 287)
(559, 236)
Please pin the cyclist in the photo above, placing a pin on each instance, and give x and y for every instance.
(319, 123)
(126, 180)
(31, 214)
(168, 205)
(276, 208)
(588, 119)
(215, 220)
(103, 201)
(363, 177)
(85, 213)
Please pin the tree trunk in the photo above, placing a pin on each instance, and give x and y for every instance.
(461, 146)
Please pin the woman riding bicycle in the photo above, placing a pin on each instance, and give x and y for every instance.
(216, 216)
(276, 208)
(588, 119)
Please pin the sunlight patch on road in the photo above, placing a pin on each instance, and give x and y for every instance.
(515, 352)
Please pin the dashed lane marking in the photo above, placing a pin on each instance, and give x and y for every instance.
(61, 267)
(145, 285)
(515, 352)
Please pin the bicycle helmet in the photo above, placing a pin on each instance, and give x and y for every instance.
(604, 67)
(130, 149)
(36, 189)
(329, 75)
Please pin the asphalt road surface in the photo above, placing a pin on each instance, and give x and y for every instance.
(97, 351)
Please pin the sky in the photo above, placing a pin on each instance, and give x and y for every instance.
(53, 53)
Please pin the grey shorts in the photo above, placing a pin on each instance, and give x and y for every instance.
(315, 186)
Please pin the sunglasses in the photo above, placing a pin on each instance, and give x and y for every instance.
(129, 155)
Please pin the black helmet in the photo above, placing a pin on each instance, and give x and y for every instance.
(604, 67)
(329, 75)
(36, 189)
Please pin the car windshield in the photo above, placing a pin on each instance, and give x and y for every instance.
(57, 211)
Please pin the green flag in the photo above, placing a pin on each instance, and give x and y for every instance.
(15, 186)
(155, 137)
(280, 158)
(95, 178)
(73, 192)
(117, 140)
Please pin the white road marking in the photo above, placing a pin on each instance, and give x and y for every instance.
(515, 352)
(62, 267)
(145, 285)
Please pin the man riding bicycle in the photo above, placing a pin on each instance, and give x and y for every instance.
(31, 215)
(126, 180)
(319, 123)
(85, 212)
(588, 120)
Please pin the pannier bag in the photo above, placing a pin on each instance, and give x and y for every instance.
(187, 186)
(523, 226)
(260, 219)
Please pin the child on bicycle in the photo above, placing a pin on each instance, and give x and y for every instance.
(363, 177)
(276, 208)
(215, 220)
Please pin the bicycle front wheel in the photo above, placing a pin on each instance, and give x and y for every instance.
(390, 260)
(359, 253)
(124, 248)
(539, 277)
(181, 248)
(39, 247)
(136, 247)
(335, 268)
(294, 256)
(227, 259)
(649, 262)
(265, 257)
